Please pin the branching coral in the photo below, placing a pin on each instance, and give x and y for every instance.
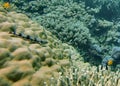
(105, 7)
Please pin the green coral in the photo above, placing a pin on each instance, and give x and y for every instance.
(106, 7)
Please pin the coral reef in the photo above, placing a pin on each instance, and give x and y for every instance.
(80, 23)
(70, 30)
(105, 7)
(25, 60)
(89, 77)
(29, 54)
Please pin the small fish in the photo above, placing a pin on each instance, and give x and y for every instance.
(110, 62)
(6, 5)
(107, 61)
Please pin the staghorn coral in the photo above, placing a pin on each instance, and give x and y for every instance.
(89, 77)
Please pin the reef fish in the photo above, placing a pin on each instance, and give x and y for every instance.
(6, 5)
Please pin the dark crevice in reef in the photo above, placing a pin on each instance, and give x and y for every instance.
(28, 37)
